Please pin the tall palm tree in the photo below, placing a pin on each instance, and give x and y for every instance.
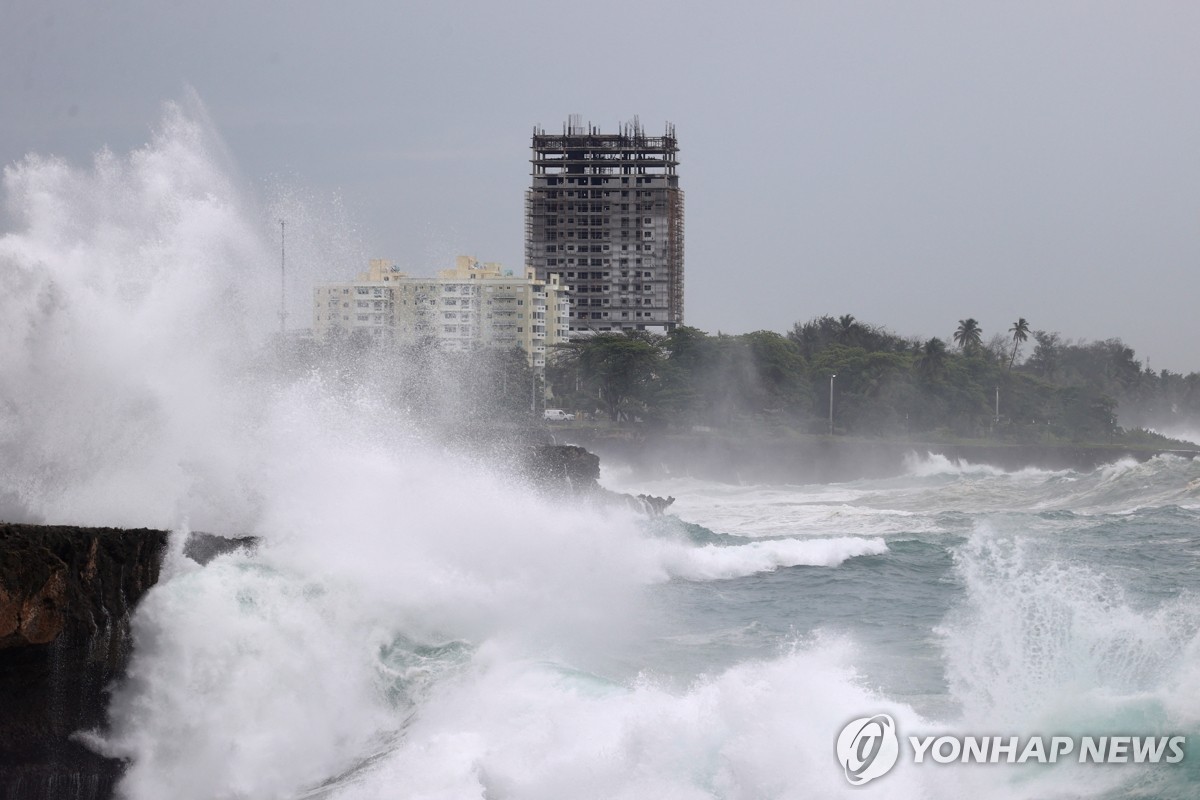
(847, 328)
(1020, 333)
(931, 359)
(969, 335)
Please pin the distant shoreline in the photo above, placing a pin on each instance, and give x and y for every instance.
(821, 459)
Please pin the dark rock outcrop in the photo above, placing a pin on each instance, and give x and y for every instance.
(66, 595)
(570, 471)
(204, 547)
(562, 469)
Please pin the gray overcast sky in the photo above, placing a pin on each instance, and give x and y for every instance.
(910, 163)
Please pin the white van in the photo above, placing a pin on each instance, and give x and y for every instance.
(557, 415)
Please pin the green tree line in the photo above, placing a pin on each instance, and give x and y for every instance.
(885, 384)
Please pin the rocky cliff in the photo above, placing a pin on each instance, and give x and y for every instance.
(571, 472)
(66, 594)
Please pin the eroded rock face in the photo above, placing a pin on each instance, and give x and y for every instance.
(36, 617)
(66, 595)
(569, 471)
(563, 469)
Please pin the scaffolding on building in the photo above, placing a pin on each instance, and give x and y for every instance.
(605, 211)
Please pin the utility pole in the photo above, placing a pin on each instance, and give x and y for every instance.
(282, 278)
(831, 377)
(997, 405)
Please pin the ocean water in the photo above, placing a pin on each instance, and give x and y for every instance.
(418, 624)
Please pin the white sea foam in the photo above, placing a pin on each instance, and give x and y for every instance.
(509, 728)
(714, 562)
(1042, 640)
(925, 465)
(781, 511)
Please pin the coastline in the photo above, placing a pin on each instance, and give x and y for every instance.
(822, 459)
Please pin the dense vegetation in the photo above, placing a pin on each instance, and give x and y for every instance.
(885, 385)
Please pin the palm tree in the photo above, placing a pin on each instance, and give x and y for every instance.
(969, 335)
(1020, 333)
(931, 360)
(847, 328)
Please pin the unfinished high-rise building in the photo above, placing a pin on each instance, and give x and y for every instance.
(605, 212)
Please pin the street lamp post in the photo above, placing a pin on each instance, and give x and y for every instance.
(282, 278)
(831, 377)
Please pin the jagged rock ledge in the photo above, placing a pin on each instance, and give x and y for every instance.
(66, 594)
(570, 471)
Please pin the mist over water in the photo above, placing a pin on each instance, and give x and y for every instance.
(417, 623)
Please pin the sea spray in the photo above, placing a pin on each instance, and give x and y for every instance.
(129, 298)
(415, 622)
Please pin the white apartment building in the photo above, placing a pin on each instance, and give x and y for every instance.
(472, 305)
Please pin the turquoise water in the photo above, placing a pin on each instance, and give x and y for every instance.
(1028, 603)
